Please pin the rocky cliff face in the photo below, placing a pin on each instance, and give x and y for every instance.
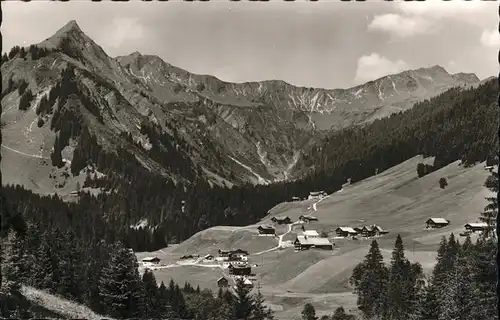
(230, 132)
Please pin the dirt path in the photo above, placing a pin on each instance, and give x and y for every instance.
(25, 154)
(280, 241)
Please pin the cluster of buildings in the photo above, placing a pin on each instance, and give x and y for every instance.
(316, 195)
(238, 266)
(364, 231)
(287, 220)
(313, 195)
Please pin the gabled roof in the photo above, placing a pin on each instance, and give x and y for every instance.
(308, 217)
(221, 278)
(281, 217)
(438, 220)
(373, 227)
(312, 193)
(347, 229)
(311, 233)
(477, 225)
(147, 259)
(266, 226)
(313, 241)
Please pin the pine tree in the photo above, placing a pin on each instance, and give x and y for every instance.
(308, 312)
(405, 282)
(120, 286)
(370, 282)
(12, 303)
(261, 312)
(45, 271)
(484, 278)
(15, 267)
(152, 301)
(489, 215)
(243, 301)
(340, 314)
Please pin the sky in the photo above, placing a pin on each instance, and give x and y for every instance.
(326, 44)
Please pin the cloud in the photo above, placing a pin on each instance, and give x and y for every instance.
(374, 66)
(416, 18)
(437, 9)
(124, 29)
(399, 25)
(490, 38)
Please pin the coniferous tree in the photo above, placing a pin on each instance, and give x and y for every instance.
(405, 281)
(490, 212)
(261, 312)
(25, 100)
(12, 303)
(308, 312)
(152, 300)
(243, 301)
(120, 285)
(369, 280)
(340, 314)
(44, 275)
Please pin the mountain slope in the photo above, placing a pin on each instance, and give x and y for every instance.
(173, 123)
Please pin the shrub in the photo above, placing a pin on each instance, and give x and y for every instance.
(443, 183)
(40, 122)
(25, 101)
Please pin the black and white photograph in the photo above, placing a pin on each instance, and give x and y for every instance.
(249, 160)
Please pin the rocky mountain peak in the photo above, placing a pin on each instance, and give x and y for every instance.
(73, 42)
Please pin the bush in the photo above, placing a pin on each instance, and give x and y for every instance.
(443, 183)
(25, 101)
(40, 122)
(23, 85)
(424, 169)
(200, 87)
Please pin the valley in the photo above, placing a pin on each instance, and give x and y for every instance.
(396, 199)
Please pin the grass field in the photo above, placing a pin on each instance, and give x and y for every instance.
(395, 199)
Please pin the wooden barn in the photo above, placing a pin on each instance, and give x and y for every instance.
(222, 282)
(306, 243)
(281, 220)
(476, 226)
(265, 229)
(236, 270)
(372, 231)
(151, 260)
(307, 218)
(310, 233)
(346, 232)
(317, 195)
(435, 223)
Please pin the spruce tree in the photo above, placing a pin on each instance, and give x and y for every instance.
(340, 314)
(44, 275)
(243, 301)
(120, 285)
(405, 281)
(261, 312)
(370, 282)
(152, 301)
(489, 215)
(308, 312)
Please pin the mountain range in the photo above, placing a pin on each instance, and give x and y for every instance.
(180, 125)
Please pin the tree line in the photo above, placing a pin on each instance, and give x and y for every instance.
(106, 278)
